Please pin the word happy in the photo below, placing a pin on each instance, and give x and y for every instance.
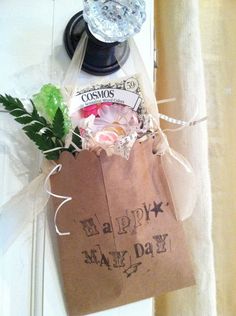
(123, 224)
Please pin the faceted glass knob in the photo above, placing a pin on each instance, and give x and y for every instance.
(114, 21)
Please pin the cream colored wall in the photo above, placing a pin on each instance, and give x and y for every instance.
(218, 29)
(217, 20)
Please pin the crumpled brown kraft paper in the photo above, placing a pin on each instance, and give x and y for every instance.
(125, 243)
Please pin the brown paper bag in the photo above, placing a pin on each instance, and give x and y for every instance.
(125, 243)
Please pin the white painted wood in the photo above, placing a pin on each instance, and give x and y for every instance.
(26, 39)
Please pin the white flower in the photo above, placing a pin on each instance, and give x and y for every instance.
(116, 117)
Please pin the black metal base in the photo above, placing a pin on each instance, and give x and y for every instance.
(100, 58)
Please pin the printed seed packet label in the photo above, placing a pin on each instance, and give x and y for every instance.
(125, 91)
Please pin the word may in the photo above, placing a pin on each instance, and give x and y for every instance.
(124, 224)
(122, 259)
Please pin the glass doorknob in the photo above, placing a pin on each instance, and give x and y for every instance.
(108, 24)
(114, 21)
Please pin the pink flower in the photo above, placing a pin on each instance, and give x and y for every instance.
(93, 109)
(116, 118)
(106, 138)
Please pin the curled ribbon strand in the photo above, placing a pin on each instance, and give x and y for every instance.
(66, 199)
(192, 122)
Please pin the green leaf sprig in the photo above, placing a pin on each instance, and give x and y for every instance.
(45, 135)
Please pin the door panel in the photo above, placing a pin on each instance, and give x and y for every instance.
(31, 34)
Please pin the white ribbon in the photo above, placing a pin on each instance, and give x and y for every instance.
(23, 208)
(26, 205)
(66, 199)
(180, 178)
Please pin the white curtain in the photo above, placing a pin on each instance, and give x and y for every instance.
(181, 75)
